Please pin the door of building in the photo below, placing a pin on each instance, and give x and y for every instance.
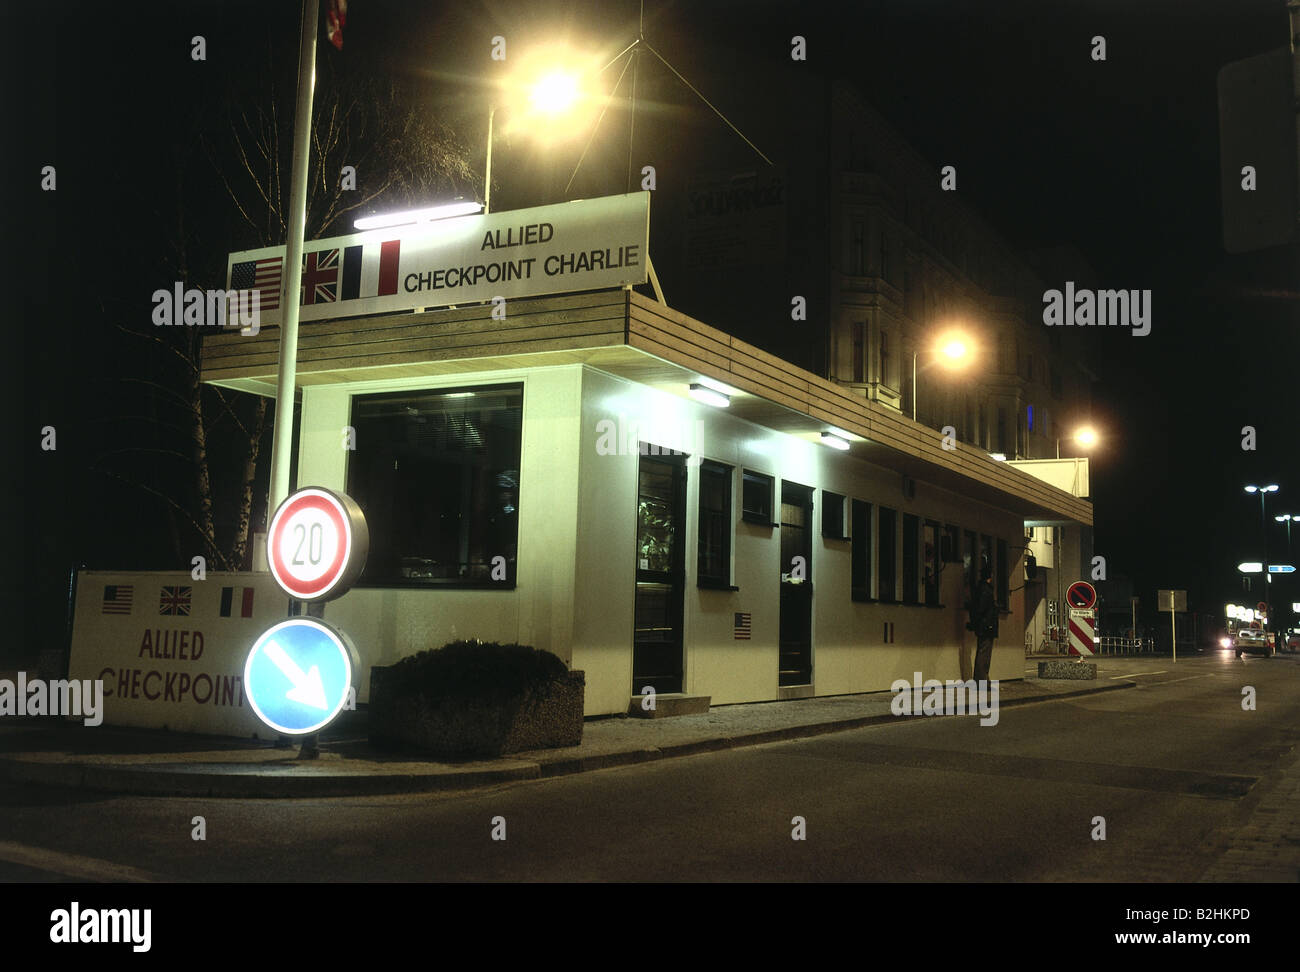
(660, 573)
(796, 584)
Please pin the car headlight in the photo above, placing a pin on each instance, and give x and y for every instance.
(1225, 642)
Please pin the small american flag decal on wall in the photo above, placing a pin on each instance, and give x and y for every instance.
(742, 627)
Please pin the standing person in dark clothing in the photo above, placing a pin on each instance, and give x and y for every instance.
(984, 622)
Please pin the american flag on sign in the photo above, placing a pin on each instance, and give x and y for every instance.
(262, 276)
(320, 278)
(118, 598)
(175, 601)
(742, 627)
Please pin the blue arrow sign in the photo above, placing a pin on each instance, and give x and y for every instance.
(1280, 568)
(298, 675)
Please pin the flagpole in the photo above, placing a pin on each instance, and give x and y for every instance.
(286, 379)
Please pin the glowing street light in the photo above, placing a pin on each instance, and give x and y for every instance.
(952, 350)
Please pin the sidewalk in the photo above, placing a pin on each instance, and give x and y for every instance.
(151, 762)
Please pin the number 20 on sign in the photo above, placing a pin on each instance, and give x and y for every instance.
(317, 544)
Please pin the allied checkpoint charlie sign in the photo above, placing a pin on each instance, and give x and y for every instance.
(299, 672)
(587, 244)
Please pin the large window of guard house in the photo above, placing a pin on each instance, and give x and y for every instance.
(437, 476)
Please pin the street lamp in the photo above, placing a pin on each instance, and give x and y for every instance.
(541, 97)
(1085, 436)
(1263, 519)
(953, 350)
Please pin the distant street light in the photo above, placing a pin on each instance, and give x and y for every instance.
(1263, 491)
(952, 350)
(1085, 436)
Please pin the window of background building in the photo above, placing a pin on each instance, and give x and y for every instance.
(1056, 382)
(982, 427)
(715, 525)
(970, 560)
(930, 562)
(437, 475)
(1002, 575)
(833, 516)
(1001, 440)
(886, 548)
(911, 549)
(860, 352)
(858, 248)
(861, 555)
(756, 498)
(884, 258)
(883, 377)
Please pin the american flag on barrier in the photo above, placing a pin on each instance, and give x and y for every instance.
(175, 601)
(118, 598)
(262, 276)
(742, 627)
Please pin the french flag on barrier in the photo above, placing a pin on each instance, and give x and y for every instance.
(390, 252)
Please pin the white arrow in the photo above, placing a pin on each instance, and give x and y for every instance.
(307, 686)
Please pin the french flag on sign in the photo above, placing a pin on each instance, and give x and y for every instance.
(245, 602)
(390, 252)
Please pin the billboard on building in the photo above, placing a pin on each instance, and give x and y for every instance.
(587, 244)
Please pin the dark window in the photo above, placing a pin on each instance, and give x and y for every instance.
(437, 475)
(715, 525)
(883, 377)
(884, 257)
(951, 544)
(911, 541)
(859, 352)
(930, 561)
(1056, 379)
(858, 248)
(970, 560)
(861, 571)
(1002, 431)
(1003, 572)
(756, 498)
(833, 515)
(885, 550)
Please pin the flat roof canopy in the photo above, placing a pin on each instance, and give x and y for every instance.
(633, 337)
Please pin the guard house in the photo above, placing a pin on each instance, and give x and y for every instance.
(656, 502)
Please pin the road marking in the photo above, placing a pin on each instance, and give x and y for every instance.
(1136, 674)
(73, 865)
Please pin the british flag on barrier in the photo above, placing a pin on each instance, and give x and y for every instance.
(175, 601)
(320, 278)
(260, 275)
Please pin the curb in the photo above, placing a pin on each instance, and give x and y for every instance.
(135, 781)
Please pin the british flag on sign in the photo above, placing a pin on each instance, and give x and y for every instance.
(320, 278)
(262, 276)
(175, 601)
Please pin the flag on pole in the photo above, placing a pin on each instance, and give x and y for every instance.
(335, 18)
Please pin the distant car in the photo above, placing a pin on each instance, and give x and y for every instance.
(1251, 641)
(1293, 641)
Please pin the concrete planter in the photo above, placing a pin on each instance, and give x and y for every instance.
(545, 719)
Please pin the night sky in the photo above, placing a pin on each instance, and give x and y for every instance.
(1118, 159)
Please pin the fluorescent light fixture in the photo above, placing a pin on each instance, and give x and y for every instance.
(709, 396)
(835, 442)
(412, 216)
(459, 395)
(998, 456)
(1251, 567)
(717, 386)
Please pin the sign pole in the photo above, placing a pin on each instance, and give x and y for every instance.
(1173, 625)
(286, 380)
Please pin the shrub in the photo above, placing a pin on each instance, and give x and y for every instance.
(479, 671)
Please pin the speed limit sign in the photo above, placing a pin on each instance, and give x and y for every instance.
(317, 544)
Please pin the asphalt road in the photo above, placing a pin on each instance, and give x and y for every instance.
(1175, 767)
